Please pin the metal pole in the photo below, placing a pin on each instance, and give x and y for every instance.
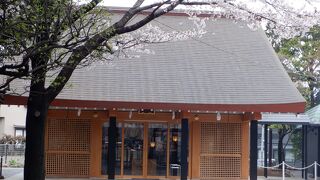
(315, 170)
(283, 170)
(6, 154)
(1, 166)
(270, 147)
(265, 150)
(306, 151)
(302, 151)
(1, 161)
(318, 149)
(261, 150)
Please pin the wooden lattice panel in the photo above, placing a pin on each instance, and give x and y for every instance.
(220, 153)
(219, 167)
(220, 138)
(67, 164)
(68, 147)
(68, 134)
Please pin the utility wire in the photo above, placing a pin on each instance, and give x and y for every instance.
(205, 43)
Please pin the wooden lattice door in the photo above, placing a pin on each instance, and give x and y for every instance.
(68, 147)
(220, 153)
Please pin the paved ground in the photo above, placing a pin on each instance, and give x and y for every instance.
(17, 174)
(9, 173)
(280, 178)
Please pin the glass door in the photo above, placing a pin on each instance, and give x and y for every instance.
(144, 149)
(133, 149)
(174, 150)
(157, 149)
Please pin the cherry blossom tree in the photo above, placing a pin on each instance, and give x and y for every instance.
(51, 38)
(301, 57)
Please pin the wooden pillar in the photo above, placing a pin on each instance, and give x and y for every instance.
(245, 150)
(184, 148)
(95, 147)
(265, 172)
(112, 137)
(253, 149)
(196, 144)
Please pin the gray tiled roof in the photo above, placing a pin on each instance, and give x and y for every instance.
(314, 115)
(230, 64)
(284, 118)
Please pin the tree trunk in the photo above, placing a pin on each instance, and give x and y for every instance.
(312, 98)
(34, 168)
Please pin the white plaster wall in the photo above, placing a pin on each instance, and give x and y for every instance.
(11, 116)
(1, 126)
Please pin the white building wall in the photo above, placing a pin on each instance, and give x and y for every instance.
(10, 117)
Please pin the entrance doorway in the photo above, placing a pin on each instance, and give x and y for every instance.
(144, 149)
(157, 149)
(133, 149)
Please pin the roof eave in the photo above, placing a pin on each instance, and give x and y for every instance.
(296, 107)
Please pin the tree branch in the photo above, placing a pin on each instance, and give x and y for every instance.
(75, 58)
(74, 17)
(129, 14)
(83, 51)
(153, 15)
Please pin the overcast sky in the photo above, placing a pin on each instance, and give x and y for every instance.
(129, 3)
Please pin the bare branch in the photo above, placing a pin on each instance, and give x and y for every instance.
(155, 14)
(5, 86)
(138, 3)
(76, 57)
(74, 17)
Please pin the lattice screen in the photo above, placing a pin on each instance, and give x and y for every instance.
(220, 150)
(69, 134)
(64, 164)
(220, 167)
(68, 147)
(220, 138)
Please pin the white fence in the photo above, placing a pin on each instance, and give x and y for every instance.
(284, 165)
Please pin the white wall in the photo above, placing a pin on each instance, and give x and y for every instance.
(12, 116)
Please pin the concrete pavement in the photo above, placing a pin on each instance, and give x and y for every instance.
(17, 174)
(20, 177)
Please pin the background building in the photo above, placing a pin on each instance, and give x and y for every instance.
(12, 120)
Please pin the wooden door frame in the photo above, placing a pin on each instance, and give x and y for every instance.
(167, 149)
(146, 121)
(122, 175)
(145, 148)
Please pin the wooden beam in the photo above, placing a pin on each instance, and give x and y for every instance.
(186, 115)
(96, 147)
(248, 116)
(196, 146)
(245, 150)
(283, 107)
